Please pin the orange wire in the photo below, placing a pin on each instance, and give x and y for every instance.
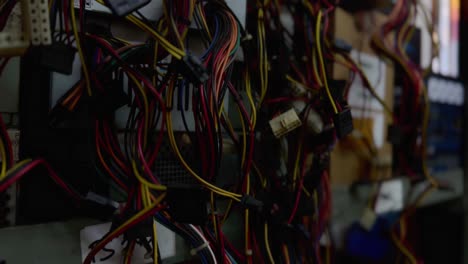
(107, 167)
(286, 254)
(78, 88)
(77, 99)
(117, 160)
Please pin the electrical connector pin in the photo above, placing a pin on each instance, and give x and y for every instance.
(193, 69)
(343, 123)
(285, 123)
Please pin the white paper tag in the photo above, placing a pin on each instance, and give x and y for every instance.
(375, 70)
(88, 235)
(363, 104)
(391, 197)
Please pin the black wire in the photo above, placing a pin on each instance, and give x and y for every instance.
(130, 128)
(60, 14)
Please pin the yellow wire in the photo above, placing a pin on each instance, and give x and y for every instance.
(244, 137)
(128, 256)
(145, 107)
(296, 82)
(147, 203)
(401, 34)
(380, 44)
(202, 16)
(403, 227)
(296, 165)
(260, 175)
(4, 160)
(144, 181)
(322, 63)
(395, 239)
(213, 216)
(175, 52)
(246, 218)
(316, 204)
(403, 249)
(248, 89)
(315, 67)
(267, 244)
(310, 8)
(377, 41)
(173, 143)
(426, 173)
(307, 193)
(246, 233)
(15, 167)
(228, 209)
(370, 88)
(262, 56)
(136, 216)
(80, 50)
(286, 254)
(170, 20)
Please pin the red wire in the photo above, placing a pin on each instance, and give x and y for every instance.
(301, 184)
(284, 99)
(49, 169)
(201, 146)
(325, 210)
(130, 251)
(236, 252)
(111, 140)
(138, 197)
(66, 10)
(141, 155)
(258, 252)
(296, 203)
(129, 201)
(147, 83)
(158, 142)
(210, 138)
(106, 167)
(221, 240)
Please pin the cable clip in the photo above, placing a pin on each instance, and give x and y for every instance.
(214, 212)
(194, 251)
(247, 37)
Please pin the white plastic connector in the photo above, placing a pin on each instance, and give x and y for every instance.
(195, 251)
(44, 22)
(34, 21)
(12, 43)
(13, 39)
(298, 89)
(285, 123)
(38, 13)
